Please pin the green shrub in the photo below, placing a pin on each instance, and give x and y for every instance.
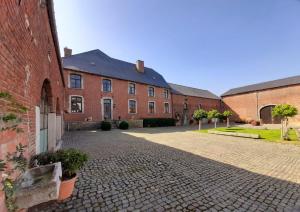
(71, 161)
(124, 125)
(159, 122)
(105, 126)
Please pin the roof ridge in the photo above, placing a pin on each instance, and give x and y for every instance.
(188, 86)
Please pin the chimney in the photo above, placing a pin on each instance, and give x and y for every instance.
(140, 66)
(68, 52)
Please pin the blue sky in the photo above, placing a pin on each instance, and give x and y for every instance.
(209, 44)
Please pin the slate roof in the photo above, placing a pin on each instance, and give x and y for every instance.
(97, 62)
(264, 85)
(189, 91)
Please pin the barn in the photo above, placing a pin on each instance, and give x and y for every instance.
(255, 102)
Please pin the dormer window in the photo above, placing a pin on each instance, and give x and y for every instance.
(151, 91)
(75, 81)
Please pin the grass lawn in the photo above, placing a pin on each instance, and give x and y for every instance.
(269, 135)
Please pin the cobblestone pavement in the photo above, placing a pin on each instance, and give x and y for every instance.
(177, 170)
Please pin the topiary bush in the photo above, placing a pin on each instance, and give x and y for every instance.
(105, 126)
(159, 122)
(124, 125)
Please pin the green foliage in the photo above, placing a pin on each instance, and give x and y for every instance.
(71, 160)
(227, 113)
(18, 158)
(284, 111)
(199, 114)
(2, 165)
(124, 125)
(105, 126)
(9, 190)
(20, 164)
(9, 117)
(213, 114)
(159, 122)
(5, 95)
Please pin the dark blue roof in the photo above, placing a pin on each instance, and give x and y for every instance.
(189, 91)
(96, 62)
(289, 81)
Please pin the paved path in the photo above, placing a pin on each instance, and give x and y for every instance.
(175, 169)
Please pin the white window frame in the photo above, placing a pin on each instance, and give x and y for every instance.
(168, 93)
(70, 98)
(169, 108)
(69, 80)
(154, 107)
(112, 107)
(153, 91)
(111, 85)
(136, 106)
(135, 90)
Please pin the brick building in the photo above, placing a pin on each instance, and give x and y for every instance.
(31, 76)
(255, 102)
(103, 88)
(185, 100)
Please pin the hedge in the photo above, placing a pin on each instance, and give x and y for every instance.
(159, 122)
(124, 125)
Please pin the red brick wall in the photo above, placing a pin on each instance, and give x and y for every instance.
(193, 104)
(25, 40)
(247, 106)
(92, 99)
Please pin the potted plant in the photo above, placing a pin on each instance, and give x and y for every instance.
(71, 161)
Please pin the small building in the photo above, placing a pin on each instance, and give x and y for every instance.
(255, 102)
(100, 87)
(31, 76)
(185, 100)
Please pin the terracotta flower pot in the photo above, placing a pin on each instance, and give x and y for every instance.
(66, 188)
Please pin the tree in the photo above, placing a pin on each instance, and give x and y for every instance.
(227, 114)
(213, 115)
(199, 115)
(284, 111)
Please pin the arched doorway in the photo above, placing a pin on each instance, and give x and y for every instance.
(45, 106)
(266, 115)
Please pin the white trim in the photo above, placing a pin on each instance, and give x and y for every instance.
(69, 79)
(37, 129)
(136, 108)
(70, 97)
(111, 85)
(135, 93)
(153, 91)
(112, 107)
(169, 108)
(154, 107)
(169, 93)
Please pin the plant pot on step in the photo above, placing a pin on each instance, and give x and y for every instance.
(66, 188)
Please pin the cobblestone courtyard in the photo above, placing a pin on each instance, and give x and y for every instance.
(178, 170)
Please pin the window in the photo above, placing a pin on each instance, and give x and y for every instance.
(151, 91)
(75, 81)
(131, 88)
(151, 107)
(106, 85)
(132, 106)
(166, 93)
(76, 104)
(166, 107)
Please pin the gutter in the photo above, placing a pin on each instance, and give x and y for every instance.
(50, 10)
